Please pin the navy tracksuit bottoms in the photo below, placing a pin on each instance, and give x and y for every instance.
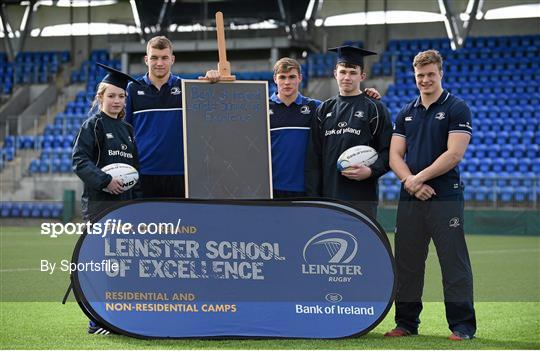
(440, 219)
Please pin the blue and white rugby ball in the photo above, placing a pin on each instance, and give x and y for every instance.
(127, 174)
(357, 155)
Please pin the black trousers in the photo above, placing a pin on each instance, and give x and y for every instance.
(284, 194)
(418, 222)
(368, 207)
(152, 186)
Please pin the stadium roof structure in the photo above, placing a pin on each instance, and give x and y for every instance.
(292, 19)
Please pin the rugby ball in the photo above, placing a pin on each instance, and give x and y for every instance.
(357, 155)
(127, 174)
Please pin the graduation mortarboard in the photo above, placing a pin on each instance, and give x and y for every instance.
(351, 54)
(115, 77)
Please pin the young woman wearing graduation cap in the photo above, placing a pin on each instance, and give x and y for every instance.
(104, 138)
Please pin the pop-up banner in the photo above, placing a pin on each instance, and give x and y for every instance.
(284, 269)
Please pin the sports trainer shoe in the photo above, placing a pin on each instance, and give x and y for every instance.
(397, 333)
(459, 336)
(96, 329)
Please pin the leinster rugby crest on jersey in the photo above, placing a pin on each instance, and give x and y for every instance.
(440, 116)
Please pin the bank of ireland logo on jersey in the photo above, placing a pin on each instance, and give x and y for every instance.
(331, 254)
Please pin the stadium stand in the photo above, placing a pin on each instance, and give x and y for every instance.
(30, 67)
(33, 209)
(501, 165)
(499, 78)
(57, 139)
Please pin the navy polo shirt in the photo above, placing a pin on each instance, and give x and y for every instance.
(156, 117)
(426, 133)
(289, 131)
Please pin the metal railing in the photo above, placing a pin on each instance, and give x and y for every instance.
(517, 191)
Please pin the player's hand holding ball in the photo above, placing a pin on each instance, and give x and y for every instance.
(116, 186)
(124, 177)
(357, 172)
(354, 162)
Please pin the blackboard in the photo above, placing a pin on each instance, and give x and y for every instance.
(227, 140)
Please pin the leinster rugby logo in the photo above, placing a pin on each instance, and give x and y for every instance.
(175, 91)
(305, 110)
(330, 254)
(359, 114)
(439, 116)
(454, 222)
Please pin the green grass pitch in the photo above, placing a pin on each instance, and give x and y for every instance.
(507, 292)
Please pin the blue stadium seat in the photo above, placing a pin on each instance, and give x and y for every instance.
(485, 165)
(510, 165)
(506, 150)
(488, 179)
(472, 165)
(5, 210)
(44, 167)
(480, 150)
(506, 194)
(529, 179)
(16, 210)
(65, 166)
(493, 151)
(55, 164)
(527, 137)
(36, 210)
(503, 179)
(498, 164)
(57, 210)
(532, 151)
(9, 153)
(476, 178)
(535, 166)
(33, 167)
(483, 193)
(524, 165)
(26, 210)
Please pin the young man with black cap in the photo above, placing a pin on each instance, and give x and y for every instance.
(104, 138)
(346, 120)
(433, 132)
(291, 115)
(154, 108)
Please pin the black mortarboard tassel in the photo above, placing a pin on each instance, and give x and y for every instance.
(115, 77)
(352, 55)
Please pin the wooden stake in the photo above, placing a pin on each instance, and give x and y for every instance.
(224, 67)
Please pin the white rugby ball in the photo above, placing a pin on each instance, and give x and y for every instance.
(126, 173)
(357, 155)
